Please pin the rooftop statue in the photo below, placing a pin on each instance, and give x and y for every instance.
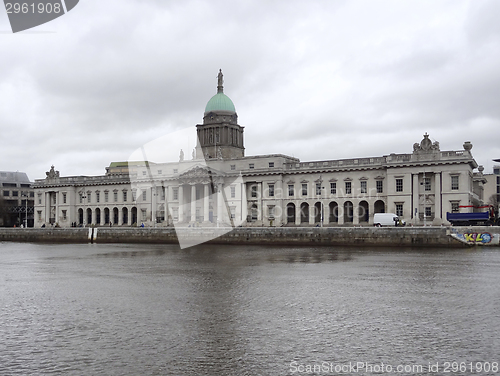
(220, 79)
(52, 173)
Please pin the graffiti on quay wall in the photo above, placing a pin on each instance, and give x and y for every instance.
(476, 237)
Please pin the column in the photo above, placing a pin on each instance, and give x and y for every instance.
(260, 204)
(415, 198)
(355, 214)
(438, 219)
(297, 214)
(340, 211)
(57, 206)
(193, 203)
(312, 211)
(220, 199)
(181, 203)
(165, 204)
(47, 207)
(154, 192)
(279, 210)
(206, 198)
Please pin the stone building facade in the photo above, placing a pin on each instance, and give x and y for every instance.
(16, 199)
(222, 186)
(492, 186)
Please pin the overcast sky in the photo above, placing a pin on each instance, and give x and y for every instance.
(312, 79)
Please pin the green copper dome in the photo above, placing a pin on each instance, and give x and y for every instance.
(220, 102)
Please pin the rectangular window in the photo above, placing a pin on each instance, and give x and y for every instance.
(254, 191)
(176, 171)
(233, 211)
(115, 196)
(175, 214)
(399, 210)
(15, 193)
(39, 215)
(144, 195)
(251, 166)
(6, 193)
(291, 190)
(427, 184)
(304, 189)
(318, 189)
(175, 193)
(64, 198)
(81, 198)
(348, 188)
(98, 197)
(380, 186)
(32, 194)
(40, 199)
(106, 196)
(454, 183)
(428, 212)
(144, 173)
(233, 191)
(124, 196)
(333, 188)
(64, 214)
(399, 185)
(144, 213)
(270, 209)
(233, 167)
(271, 164)
(160, 172)
(89, 198)
(271, 190)
(364, 187)
(455, 207)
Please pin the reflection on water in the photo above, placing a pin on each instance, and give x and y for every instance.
(248, 310)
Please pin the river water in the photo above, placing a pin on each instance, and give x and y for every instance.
(247, 310)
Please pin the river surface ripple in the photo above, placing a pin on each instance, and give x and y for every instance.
(127, 309)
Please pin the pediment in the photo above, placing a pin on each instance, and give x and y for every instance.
(199, 174)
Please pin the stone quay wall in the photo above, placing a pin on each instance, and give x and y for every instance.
(327, 236)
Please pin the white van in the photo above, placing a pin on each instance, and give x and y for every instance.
(387, 219)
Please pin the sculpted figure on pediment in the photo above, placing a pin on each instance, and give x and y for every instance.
(199, 175)
(426, 145)
(52, 174)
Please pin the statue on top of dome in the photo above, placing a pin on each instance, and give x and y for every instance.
(220, 81)
(220, 76)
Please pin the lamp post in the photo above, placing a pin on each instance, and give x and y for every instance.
(153, 204)
(25, 195)
(84, 198)
(321, 202)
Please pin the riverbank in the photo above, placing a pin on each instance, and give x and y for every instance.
(329, 236)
